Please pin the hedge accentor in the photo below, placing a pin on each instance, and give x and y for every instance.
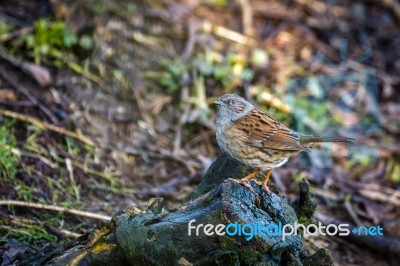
(256, 139)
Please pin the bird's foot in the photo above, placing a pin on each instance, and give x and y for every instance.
(266, 188)
(265, 181)
(243, 182)
(257, 182)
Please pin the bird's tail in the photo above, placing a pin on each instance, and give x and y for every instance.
(311, 140)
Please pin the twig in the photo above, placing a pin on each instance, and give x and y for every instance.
(247, 17)
(352, 213)
(80, 70)
(142, 109)
(276, 11)
(44, 125)
(378, 193)
(193, 26)
(20, 153)
(55, 208)
(11, 35)
(68, 233)
(324, 193)
(388, 190)
(68, 164)
(379, 196)
(185, 108)
(228, 34)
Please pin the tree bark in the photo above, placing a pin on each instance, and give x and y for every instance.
(161, 237)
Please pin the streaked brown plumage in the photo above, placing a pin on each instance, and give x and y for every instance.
(256, 139)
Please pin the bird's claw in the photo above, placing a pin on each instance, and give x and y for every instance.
(243, 183)
(257, 182)
(266, 188)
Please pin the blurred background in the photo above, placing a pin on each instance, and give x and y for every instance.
(107, 104)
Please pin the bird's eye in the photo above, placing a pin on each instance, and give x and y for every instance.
(232, 102)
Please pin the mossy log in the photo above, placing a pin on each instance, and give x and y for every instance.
(161, 237)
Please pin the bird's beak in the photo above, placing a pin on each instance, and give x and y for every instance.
(218, 102)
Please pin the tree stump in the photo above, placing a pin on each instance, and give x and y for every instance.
(161, 237)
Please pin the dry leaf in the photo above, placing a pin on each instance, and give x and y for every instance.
(7, 95)
(39, 73)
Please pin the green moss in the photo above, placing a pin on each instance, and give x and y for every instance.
(248, 256)
(227, 258)
(227, 243)
(320, 258)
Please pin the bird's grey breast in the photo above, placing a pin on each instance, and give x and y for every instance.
(220, 136)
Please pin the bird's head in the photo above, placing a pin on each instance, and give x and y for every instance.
(231, 107)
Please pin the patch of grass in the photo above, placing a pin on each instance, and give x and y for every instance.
(48, 172)
(25, 191)
(25, 231)
(8, 158)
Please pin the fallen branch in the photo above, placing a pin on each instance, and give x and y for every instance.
(161, 237)
(47, 126)
(55, 208)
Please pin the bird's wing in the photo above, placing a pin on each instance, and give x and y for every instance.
(263, 131)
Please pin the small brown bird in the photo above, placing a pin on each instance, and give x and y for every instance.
(256, 139)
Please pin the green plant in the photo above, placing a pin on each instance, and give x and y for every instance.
(51, 42)
(172, 79)
(5, 28)
(229, 70)
(25, 231)
(8, 156)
